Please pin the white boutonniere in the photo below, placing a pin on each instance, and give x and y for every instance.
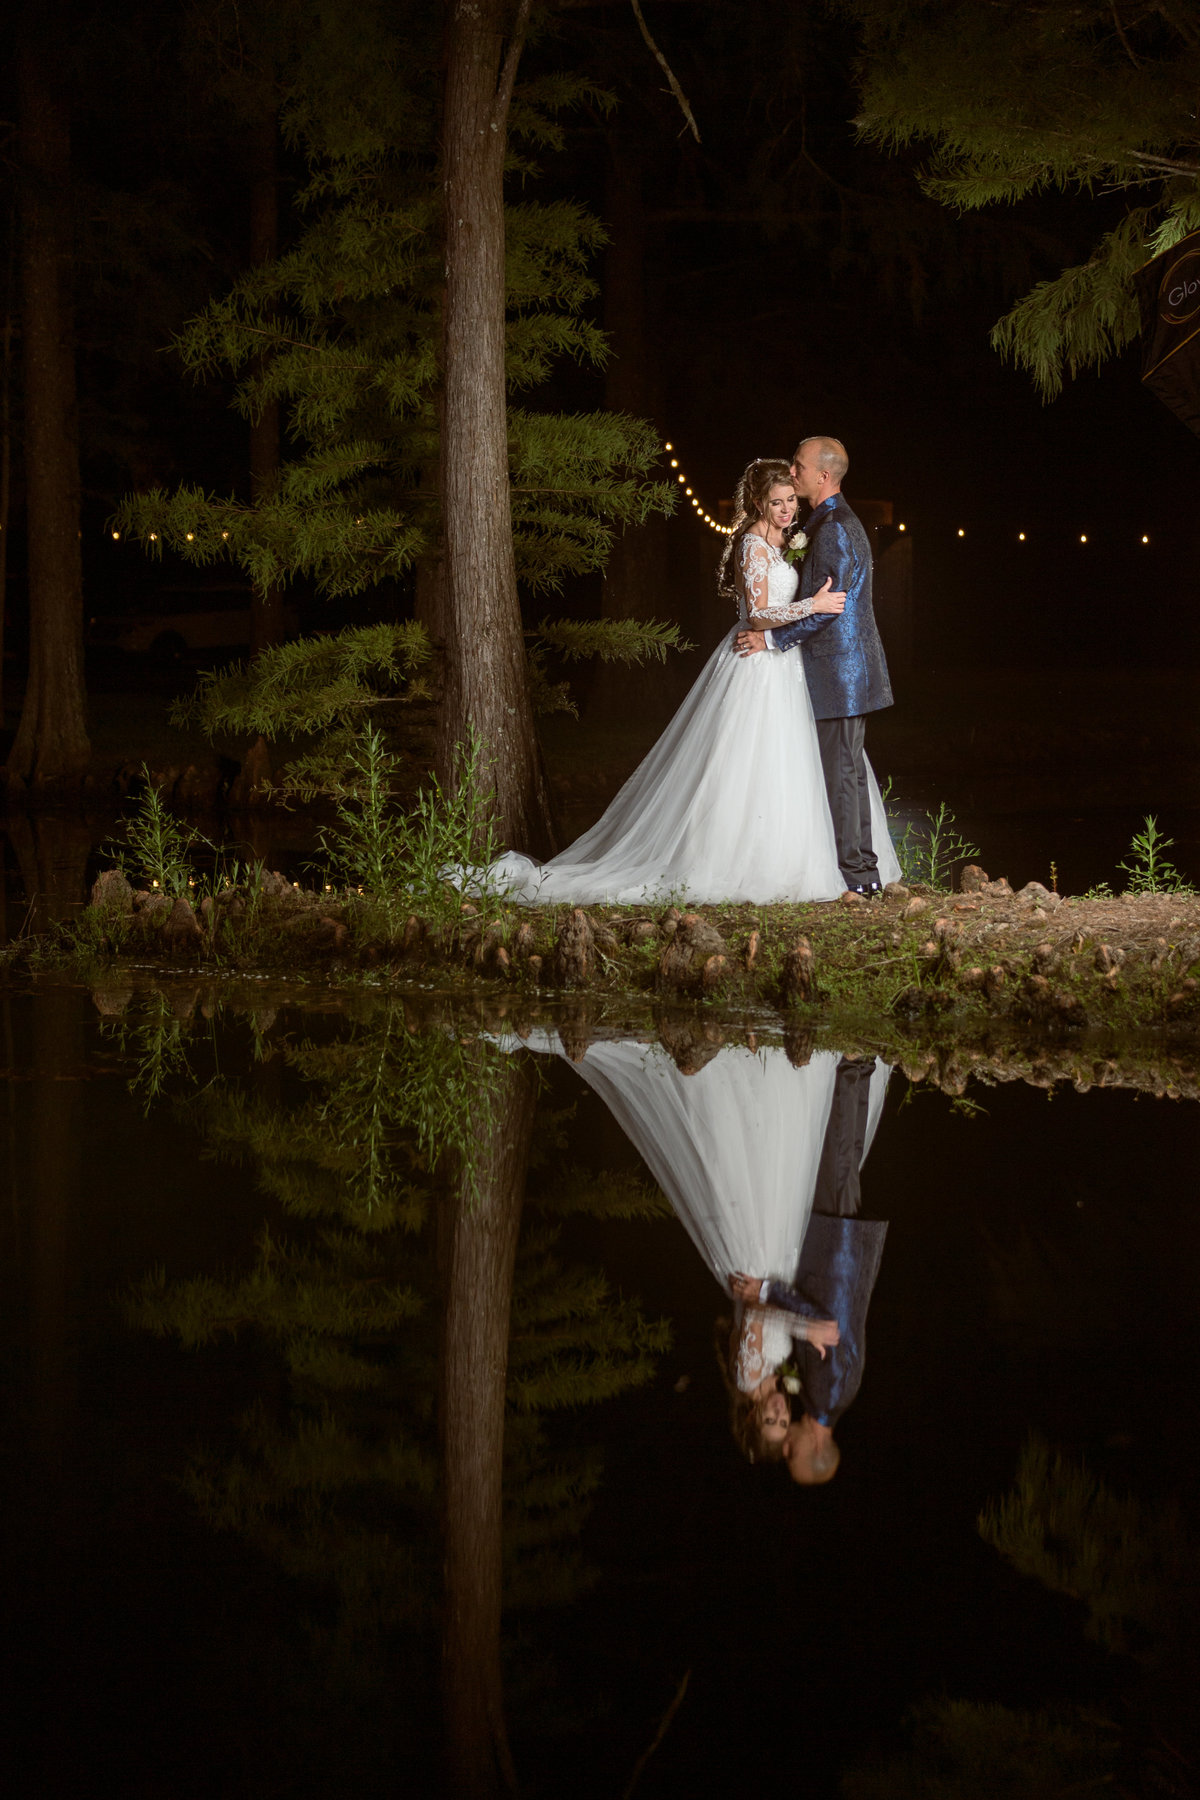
(797, 548)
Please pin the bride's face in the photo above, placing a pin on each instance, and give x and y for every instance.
(781, 506)
(774, 1417)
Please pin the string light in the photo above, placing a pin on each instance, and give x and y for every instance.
(961, 532)
(696, 504)
(902, 528)
(116, 537)
(1020, 537)
(1145, 540)
(1083, 537)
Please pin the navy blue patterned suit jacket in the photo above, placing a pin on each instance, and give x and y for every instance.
(843, 656)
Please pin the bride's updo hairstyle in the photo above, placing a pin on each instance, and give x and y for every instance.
(749, 506)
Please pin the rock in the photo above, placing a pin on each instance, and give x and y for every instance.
(1108, 957)
(971, 978)
(998, 889)
(995, 981)
(181, 926)
(1043, 957)
(208, 911)
(973, 879)
(713, 973)
(896, 890)
(535, 969)
(502, 963)
(1159, 953)
(1070, 1009)
(414, 935)
(274, 885)
(751, 956)
(574, 950)
(523, 943)
(1033, 892)
(490, 943)
(669, 921)
(965, 903)
(915, 908)
(604, 940)
(944, 929)
(799, 972)
(691, 945)
(146, 905)
(850, 898)
(112, 893)
(641, 931)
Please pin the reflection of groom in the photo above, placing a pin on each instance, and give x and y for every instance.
(843, 657)
(839, 1261)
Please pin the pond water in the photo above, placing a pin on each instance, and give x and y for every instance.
(370, 1370)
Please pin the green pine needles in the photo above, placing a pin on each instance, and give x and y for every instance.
(1018, 98)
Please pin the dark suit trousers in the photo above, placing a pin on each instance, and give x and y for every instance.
(839, 1190)
(845, 769)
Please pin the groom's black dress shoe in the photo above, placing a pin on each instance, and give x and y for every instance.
(868, 889)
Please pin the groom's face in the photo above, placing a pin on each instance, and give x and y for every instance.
(809, 479)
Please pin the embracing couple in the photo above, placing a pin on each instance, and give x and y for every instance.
(759, 790)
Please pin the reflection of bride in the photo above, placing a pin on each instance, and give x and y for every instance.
(736, 1148)
(730, 804)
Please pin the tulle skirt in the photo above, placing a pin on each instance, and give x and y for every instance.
(729, 805)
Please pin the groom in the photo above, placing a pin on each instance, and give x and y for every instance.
(843, 657)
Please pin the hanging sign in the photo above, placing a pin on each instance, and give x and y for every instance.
(1168, 291)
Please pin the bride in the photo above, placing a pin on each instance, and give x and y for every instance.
(730, 805)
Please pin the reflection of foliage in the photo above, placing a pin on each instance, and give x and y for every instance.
(963, 1750)
(1136, 1569)
(155, 1040)
(337, 1482)
(1128, 1564)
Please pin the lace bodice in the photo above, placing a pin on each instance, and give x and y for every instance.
(765, 1341)
(767, 585)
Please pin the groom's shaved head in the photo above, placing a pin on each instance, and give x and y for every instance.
(828, 453)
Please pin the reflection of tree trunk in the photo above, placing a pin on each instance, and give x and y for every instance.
(635, 580)
(487, 684)
(6, 370)
(52, 855)
(51, 745)
(478, 1243)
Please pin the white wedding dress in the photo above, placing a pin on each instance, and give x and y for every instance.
(730, 803)
(735, 1148)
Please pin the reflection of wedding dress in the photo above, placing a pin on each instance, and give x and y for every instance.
(735, 1148)
(730, 803)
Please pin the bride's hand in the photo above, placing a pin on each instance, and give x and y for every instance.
(825, 600)
(746, 1287)
(822, 1334)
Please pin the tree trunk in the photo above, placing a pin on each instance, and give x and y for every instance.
(6, 371)
(635, 580)
(266, 607)
(487, 685)
(479, 1229)
(51, 747)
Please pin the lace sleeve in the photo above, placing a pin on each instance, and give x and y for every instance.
(756, 570)
(765, 1341)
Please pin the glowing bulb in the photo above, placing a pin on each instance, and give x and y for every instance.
(1020, 537)
(154, 537)
(679, 479)
(224, 534)
(961, 532)
(674, 462)
(687, 491)
(903, 528)
(1145, 540)
(191, 537)
(1083, 537)
(668, 446)
(154, 884)
(116, 535)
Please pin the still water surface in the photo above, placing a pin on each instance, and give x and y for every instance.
(337, 1330)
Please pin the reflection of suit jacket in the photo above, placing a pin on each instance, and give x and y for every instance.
(843, 657)
(838, 1266)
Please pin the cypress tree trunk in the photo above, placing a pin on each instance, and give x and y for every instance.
(51, 747)
(486, 681)
(478, 1250)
